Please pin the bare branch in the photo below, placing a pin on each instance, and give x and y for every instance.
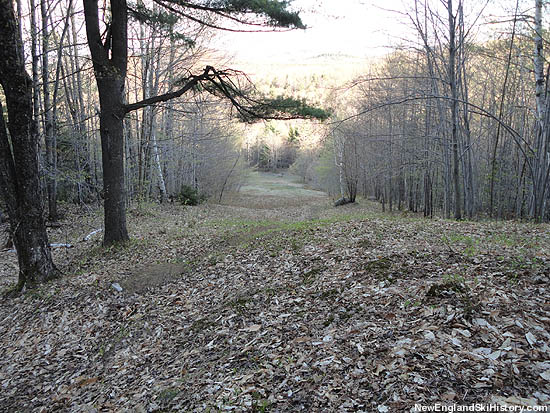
(191, 82)
(518, 138)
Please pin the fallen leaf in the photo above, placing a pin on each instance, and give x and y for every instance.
(253, 328)
(465, 333)
(531, 339)
(448, 396)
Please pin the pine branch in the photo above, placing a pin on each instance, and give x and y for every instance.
(222, 83)
(190, 82)
(259, 13)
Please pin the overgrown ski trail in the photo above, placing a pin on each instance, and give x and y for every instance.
(277, 302)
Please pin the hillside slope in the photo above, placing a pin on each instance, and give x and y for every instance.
(283, 304)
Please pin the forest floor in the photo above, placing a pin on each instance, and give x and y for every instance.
(275, 301)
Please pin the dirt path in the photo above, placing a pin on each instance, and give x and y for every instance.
(273, 302)
(267, 205)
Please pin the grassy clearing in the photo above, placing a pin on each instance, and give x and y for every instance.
(278, 185)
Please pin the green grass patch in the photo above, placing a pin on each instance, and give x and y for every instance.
(329, 294)
(453, 289)
(202, 324)
(309, 276)
(239, 304)
(167, 395)
(380, 265)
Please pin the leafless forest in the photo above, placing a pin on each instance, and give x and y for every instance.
(184, 230)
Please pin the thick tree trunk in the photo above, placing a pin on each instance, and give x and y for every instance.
(112, 151)
(19, 177)
(20, 188)
(110, 64)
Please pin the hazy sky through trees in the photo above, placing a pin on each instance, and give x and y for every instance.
(361, 28)
(355, 27)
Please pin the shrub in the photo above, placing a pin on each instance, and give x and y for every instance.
(190, 196)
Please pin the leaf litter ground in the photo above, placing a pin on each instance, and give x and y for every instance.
(281, 304)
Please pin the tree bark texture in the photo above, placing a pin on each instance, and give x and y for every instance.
(19, 174)
(542, 170)
(454, 111)
(109, 58)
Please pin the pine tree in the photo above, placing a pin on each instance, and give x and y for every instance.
(110, 54)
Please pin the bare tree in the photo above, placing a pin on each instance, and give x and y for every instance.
(19, 175)
(110, 58)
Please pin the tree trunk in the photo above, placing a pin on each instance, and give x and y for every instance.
(435, 73)
(542, 169)
(151, 74)
(227, 177)
(492, 175)
(339, 162)
(35, 60)
(465, 144)
(49, 132)
(112, 156)
(19, 174)
(156, 158)
(454, 111)
(110, 63)
(83, 163)
(389, 170)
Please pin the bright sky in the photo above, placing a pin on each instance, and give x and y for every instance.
(354, 27)
(361, 28)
